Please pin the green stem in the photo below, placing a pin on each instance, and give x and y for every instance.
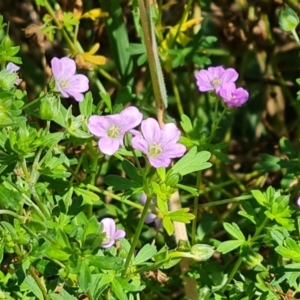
(296, 37)
(8, 212)
(225, 201)
(32, 102)
(38, 282)
(176, 94)
(232, 273)
(74, 174)
(195, 212)
(32, 189)
(137, 235)
(58, 24)
(113, 196)
(239, 261)
(93, 180)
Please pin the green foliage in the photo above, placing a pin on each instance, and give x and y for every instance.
(240, 230)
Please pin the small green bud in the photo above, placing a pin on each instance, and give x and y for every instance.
(173, 178)
(183, 246)
(7, 80)
(49, 108)
(288, 19)
(253, 259)
(127, 141)
(202, 252)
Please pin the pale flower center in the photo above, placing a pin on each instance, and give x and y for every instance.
(113, 131)
(155, 150)
(216, 82)
(106, 239)
(63, 83)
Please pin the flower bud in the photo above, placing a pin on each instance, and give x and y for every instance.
(49, 108)
(173, 178)
(202, 252)
(7, 80)
(288, 19)
(127, 141)
(253, 259)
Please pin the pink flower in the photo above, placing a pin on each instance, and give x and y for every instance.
(159, 144)
(214, 78)
(233, 96)
(111, 129)
(298, 201)
(14, 69)
(66, 81)
(109, 228)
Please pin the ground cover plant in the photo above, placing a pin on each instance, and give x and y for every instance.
(149, 149)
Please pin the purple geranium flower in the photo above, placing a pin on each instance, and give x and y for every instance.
(233, 96)
(150, 217)
(111, 129)
(159, 144)
(109, 228)
(298, 201)
(66, 81)
(13, 69)
(214, 78)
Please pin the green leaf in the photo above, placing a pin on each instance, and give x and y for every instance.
(135, 49)
(249, 212)
(132, 172)
(118, 290)
(88, 196)
(192, 162)
(228, 246)
(53, 252)
(118, 39)
(181, 215)
(168, 225)
(288, 253)
(147, 252)
(86, 106)
(9, 198)
(234, 230)
(34, 287)
(259, 197)
(85, 276)
(107, 263)
(64, 295)
(119, 183)
(69, 21)
(41, 2)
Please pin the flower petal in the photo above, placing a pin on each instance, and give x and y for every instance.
(119, 234)
(108, 245)
(150, 218)
(109, 226)
(160, 161)
(229, 75)
(67, 68)
(215, 72)
(56, 67)
(12, 67)
(130, 117)
(78, 83)
(98, 125)
(139, 143)
(169, 134)
(174, 150)
(109, 146)
(204, 81)
(151, 130)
